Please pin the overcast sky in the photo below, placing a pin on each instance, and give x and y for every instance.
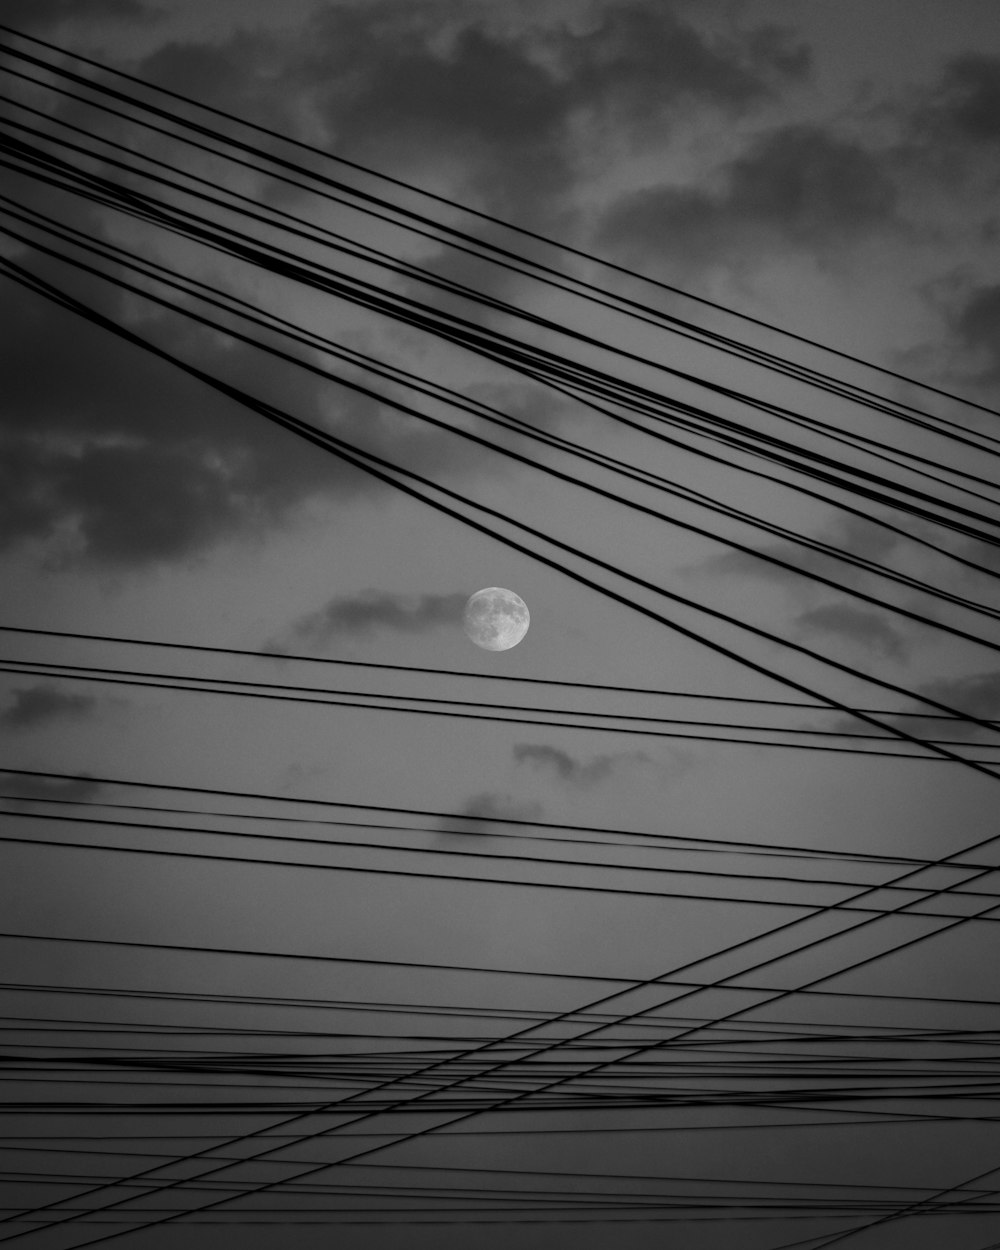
(830, 168)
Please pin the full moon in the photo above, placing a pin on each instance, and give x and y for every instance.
(496, 619)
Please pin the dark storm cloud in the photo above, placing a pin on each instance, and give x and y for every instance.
(465, 97)
(798, 186)
(463, 87)
(371, 611)
(867, 629)
(480, 813)
(128, 461)
(571, 770)
(126, 458)
(35, 705)
(120, 460)
(68, 789)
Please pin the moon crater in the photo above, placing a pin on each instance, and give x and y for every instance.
(496, 619)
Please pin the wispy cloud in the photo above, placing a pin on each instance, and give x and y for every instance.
(867, 629)
(66, 789)
(978, 695)
(799, 186)
(34, 705)
(359, 615)
(481, 813)
(573, 771)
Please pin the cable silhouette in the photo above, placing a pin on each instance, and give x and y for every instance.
(612, 1081)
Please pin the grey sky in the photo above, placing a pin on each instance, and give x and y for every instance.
(830, 168)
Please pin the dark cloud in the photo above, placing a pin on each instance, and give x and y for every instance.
(964, 105)
(978, 695)
(113, 458)
(867, 629)
(497, 106)
(852, 536)
(125, 460)
(798, 186)
(976, 330)
(370, 611)
(34, 705)
(949, 137)
(36, 15)
(480, 813)
(573, 771)
(640, 60)
(66, 789)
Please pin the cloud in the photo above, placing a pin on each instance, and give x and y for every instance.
(495, 103)
(949, 135)
(34, 705)
(573, 771)
(115, 459)
(123, 459)
(798, 186)
(867, 629)
(371, 610)
(66, 789)
(976, 330)
(639, 61)
(852, 536)
(978, 695)
(964, 105)
(41, 14)
(480, 813)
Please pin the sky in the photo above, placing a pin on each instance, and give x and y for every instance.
(827, 170)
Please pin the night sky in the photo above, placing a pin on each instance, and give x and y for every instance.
(681, 320)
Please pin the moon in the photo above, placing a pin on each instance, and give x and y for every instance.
(496, 619)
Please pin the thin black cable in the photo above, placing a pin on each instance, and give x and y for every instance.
(365, 1153)
(373, 297)
(334, 698)
(368, 461)
(849, 391)
(433, 197)
(192, 286)
(728, 441)
(375, 300)
(694, 839)
(516, 1098)
(458, 852)
(462, 968)
(381, 259)
(442, 672)
(599, 1066)
(526, 883)
(726, 849)
(873, 1032)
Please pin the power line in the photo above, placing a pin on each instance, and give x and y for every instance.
(454, 329)
(324, 697)
(600, 1066)
(367, 462)
(657, 481)
(687, 841)
(439, 227)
